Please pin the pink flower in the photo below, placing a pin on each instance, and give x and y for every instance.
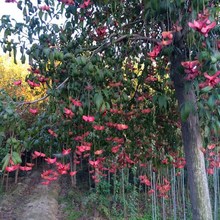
(85, 4)
(76, 102)
(210, 171)
(167, 38)
(213, 80)
(211, 146)
(121, 126)
(98, 127)
(17, 83)
(73, 173)
(115, 149)
(154, 53)
(67, 2)
(88, 118)
(44, 8)
(151, 191)
(25, 168)
(50, 160)
(98, 152)
(203, 24)
(66, 151)
(101, 31)
(12, 168)
(51, 132)
(191, 69)
(33, 111)
(68, 113)
(146, 111)
(33, 84)
(145, 180)
(39, 154)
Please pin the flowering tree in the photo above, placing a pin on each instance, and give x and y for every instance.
(114, 71)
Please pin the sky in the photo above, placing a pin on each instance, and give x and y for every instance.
(10, 9)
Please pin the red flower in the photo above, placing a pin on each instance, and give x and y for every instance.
(17, 83)
(94, 163)
(98, 152)
(211, 146)
(25, 168)
(121, 126)
(98, 127)
(151, 191)
(12, 168)
(83, 148)
(167, 38)
(115, 149)
(44, 8)
(73, 173)
(68, 113)
(33, 84)
(145, 180)
(101, 31)
(76, 102)
(146, 111)
(85, 4)
(51, 132)
(210, 171)
(211, 81)
(67, 2)
(50, 160)
(38, 154)
(33, 111)
(66, 151)
(63, 168)
(154, 53)
(88, 118)
(191, 68)
(30, 164)
(203, 24)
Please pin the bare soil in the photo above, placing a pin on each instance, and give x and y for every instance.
(30, 200)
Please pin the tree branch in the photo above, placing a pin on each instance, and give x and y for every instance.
(41, 99)
(133, 37)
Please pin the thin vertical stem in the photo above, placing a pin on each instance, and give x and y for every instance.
(123, 192)
(215, 181)
(174, 194)
(155, 197)
(183, 195)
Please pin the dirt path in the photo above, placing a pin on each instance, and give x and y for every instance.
(30, 200)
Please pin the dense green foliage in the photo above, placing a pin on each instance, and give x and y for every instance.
(110, 96)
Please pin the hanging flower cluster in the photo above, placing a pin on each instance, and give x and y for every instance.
(203, 25)
(191, 68)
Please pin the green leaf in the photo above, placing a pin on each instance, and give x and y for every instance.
(211, 101)
(2, 137)
(16, 157)
(162, 100)
(185, 111)
(206, 89)
(207, 131)
(98, 99)
(5, 161)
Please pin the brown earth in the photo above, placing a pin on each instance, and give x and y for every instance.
(30, 200)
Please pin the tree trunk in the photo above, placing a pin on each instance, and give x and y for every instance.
(192, 141)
